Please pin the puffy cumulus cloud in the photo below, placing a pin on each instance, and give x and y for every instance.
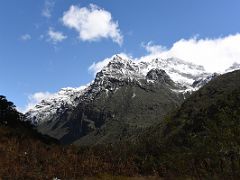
(26, 37)
(92, 23)
(216, 55)
(55, 36)
(48, 8)
(97, 66)
(152, 48)
(34, 99)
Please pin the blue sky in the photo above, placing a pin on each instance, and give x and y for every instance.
(42, 52)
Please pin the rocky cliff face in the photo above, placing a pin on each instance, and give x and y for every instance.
(125, 97)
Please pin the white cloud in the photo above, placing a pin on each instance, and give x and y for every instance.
(26, 37)
(97, 66)
(216, 55)
(55, 36)
(34, 99)
(47, 9)
(92, 23)
(153, 49)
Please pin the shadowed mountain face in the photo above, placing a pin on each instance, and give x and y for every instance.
(204, 133)
(13, 124)
(217, 102)
(114, 114)
(125, 98)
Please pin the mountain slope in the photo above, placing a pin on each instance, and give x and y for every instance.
(202, 137)
(125, 97)
(13, 123)
(111, 115)
(26, 154)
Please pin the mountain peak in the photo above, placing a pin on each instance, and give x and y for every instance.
(118, 62)
(159, 75)
(180, 71)
(173, 73)
(233, 67)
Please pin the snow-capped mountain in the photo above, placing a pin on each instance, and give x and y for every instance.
(233, 67)
(180, 71)
(65, 98)
(203, 80)
(186, 75)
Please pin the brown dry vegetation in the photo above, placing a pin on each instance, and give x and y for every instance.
(26, 158)
(201, 140)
